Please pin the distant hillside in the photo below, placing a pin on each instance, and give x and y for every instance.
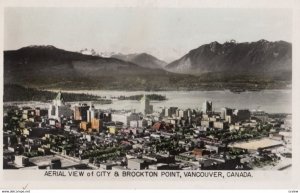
(19, 93)
(222, 66)
(143, 59)
(48, 66)
(261, 57)
(50, 58)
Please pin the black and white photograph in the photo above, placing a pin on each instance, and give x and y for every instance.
(188, 92)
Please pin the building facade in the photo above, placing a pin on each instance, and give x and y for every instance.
(58, 108)
(146, 108)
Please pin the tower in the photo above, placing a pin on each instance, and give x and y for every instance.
(59, 100)
(146, 108)
(58, 108)
(90, 113)
(226, 112)
(207, 107)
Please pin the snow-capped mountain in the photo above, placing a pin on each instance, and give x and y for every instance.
(93, 52)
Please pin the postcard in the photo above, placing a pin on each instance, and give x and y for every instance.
(149, 94)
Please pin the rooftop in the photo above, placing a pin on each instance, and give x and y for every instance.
(45, 160)
(256, 144)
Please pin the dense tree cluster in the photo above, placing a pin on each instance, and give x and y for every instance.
(153, 97)
(13, 92)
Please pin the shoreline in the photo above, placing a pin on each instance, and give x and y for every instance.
(152, 91)
(271, 101)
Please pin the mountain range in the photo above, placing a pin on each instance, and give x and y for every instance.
(231, 57)
(50, 67)
(143, 59)
(260, 64)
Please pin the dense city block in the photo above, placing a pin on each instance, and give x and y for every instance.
(79, 136)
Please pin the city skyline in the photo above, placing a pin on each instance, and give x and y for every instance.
(79, 136)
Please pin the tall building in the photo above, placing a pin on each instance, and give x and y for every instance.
(181, 113)
(81, 112)
(125, 118)
(170, 111)
(58, 108)
(263, 116)
(96, 124)
(146, 108)
(90, 113)
(207, 106)
(105, 117)
(241, 115)
(226, 112)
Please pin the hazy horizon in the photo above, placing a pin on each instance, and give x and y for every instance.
(166, 33)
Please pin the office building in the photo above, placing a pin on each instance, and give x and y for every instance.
(58, 108)
(207, 107)
(146, 108)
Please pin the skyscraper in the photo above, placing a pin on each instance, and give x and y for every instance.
(58, 108)
(90, 113)
(241, 114)
(146, 108)
(226, 112)
(81, 112)
(207, 107)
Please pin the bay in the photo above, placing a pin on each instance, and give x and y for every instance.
(271, 101)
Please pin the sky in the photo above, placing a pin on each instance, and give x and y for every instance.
(166, 33)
